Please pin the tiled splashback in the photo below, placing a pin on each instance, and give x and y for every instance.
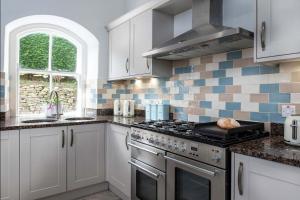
(221, 85)
(3, 93)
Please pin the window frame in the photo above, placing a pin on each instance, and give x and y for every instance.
(79, 74)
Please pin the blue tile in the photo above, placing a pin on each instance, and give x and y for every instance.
(100, 101)
(269, 88)
(178, 109)
(99, 96)
(205, 104)
(269, 69)
(226, 81)
(280, 98)
(151, 90)
(226, 65)
(277, 118)
(166, 102)
(252, 70)
(2, 91)
(163, 82)
(267, 107)
(218, 89)
(234, 55)
(178, 96)
(184, 90)
(261, 117)
(182, 116)
(182, 70)
(178, 83)
(108, 85)
(115, 96)
(204, 119)
(151, 96)
(135, 96)
(219, 73)
(199, 82)
(122, 91)
(233, 106)
(225, 113)
(165, 90)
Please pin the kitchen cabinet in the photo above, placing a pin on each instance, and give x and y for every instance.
(119, 41)
(277, 30)
(9, 143)
(129, 40)
(118, 154)
(86, 155)
(257, 179)
(42, 162)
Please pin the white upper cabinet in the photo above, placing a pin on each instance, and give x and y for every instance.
(86, 155)
(42, 162)
(117, 157)
(277, 30)
(119, 42)
(9, 144)
(258, 179)
(141, 34)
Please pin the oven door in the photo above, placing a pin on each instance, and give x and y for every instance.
(147, 183)
(191, 180)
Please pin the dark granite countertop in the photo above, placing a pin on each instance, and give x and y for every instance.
(270, 148)
(16, 123)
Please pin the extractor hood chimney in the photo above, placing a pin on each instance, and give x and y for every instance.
(208, 35)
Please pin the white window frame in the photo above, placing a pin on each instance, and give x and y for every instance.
(79, 74)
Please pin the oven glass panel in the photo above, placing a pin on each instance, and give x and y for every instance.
(189, 186)
(146, 187)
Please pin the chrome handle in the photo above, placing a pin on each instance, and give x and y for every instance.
(147, 64)
(126, 141)
(72, 137)
(144, 169)
(126, 65)
(240, 178)
(263, 35)
(294, 126)
(205, 171)
(144, 149)
(63, 139)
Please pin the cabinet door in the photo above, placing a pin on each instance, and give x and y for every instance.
(42, 162)
(9, 143)
(282, 27)
(119, 39)
(141, 42)
(86, 155)
(118, 155)
(264, 180)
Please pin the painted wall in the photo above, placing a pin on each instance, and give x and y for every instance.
(92, 14)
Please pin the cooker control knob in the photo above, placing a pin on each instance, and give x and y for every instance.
(216, 158)
(151, 140)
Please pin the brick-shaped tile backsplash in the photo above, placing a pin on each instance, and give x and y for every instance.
(222, 85)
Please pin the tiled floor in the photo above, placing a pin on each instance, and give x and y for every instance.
(102, 196)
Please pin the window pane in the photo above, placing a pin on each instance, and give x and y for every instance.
(63, 55)
(33, 91)
(34, 50)
(67, 90)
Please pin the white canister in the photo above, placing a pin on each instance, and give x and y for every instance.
(292, 130)
(126, 108)
(117, 107)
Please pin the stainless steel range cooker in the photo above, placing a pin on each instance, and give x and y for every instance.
(174, 161)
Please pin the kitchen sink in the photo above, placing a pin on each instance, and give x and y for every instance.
(38, 120)
(79, 118)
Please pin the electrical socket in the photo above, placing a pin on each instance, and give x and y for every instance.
(288, 110)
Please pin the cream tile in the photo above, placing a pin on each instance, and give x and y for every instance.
(212, 66)
(250, 107)
(295, 98)
(195, 61)
(247, 53)
(220, 57)
(250, 89)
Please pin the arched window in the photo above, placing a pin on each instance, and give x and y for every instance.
(48, 60)
(44, 53)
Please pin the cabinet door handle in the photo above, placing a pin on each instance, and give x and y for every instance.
(63, 139)
(126, 140)
(72, 137)
(126, 65)
(294, 129)
(147, 63)
(240, 179)
(263, 35)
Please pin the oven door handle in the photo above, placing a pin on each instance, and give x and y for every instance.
(205, 171)
(144, 169)
(144, 149)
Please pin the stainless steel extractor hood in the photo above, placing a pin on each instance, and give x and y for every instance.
(208, 35)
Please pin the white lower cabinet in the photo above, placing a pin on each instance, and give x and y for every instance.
(59, 159)
(257, 179)
(86, 155)
(42, 162)
(9, 143)
(118, 154)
